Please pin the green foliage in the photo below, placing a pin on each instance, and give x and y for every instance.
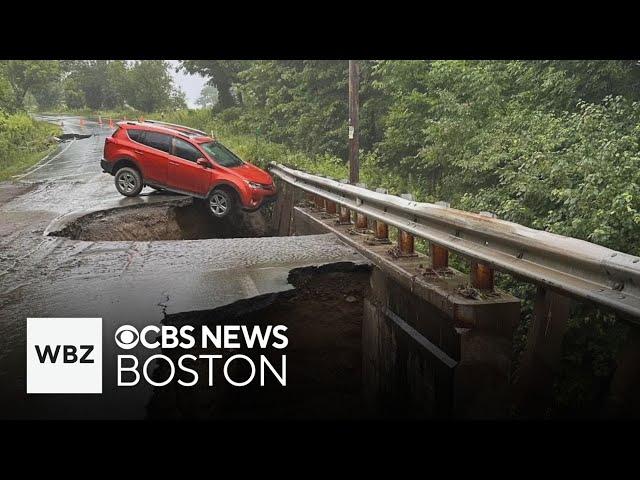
(27, 76)
(74, 97)
(151, 85)
(549, 144)
(23, 141)
(113, 85)
(208, 97)
(222, 74)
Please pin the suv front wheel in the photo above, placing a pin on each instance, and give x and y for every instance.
(128, 181)
(220, 203)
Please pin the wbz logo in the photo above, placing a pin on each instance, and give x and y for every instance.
(64, 355)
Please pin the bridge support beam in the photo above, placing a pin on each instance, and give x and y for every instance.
(418, 363)
(541, 359)
(428, 350)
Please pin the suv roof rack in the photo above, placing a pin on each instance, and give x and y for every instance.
(182, 127)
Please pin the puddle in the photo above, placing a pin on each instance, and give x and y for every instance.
(164, 222)
(323, 314)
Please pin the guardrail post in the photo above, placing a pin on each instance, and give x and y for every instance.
(319, 201)
(345, 213)
(482, 276)
(361, 218)
(331, 207)
(439, 256)
(406, 242)
(381, 229)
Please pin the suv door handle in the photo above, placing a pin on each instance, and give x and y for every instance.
(171, 162)
(139, 152)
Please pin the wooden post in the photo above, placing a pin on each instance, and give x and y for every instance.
(354, 141)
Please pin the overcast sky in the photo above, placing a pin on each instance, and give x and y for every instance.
(191, 84)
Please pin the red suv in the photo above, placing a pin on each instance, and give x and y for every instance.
(171, 157)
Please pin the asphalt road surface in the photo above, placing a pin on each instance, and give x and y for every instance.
(133, 283)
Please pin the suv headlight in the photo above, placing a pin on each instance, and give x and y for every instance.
(257, 185)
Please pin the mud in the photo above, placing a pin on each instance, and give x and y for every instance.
(324, 361)
(164, 222)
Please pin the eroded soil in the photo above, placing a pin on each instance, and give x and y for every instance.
(324, 363)
(164, 222)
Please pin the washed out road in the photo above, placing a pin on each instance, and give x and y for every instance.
(124, 282)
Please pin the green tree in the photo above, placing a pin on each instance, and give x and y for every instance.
(222, 74)
(50, 95)
(73, 94)
(151, 85)
(208, 97)
(26, 76)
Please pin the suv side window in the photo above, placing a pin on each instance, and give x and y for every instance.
(136, 135)
(156, 140)
(185, 150)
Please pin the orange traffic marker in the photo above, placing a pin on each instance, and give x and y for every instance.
(141, 119)
(99, 120)
(110, 123)
(82, 122)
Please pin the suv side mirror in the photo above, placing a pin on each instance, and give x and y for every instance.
(203, 162)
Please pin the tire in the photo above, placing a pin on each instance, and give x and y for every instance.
(220, 203)
(128, 181)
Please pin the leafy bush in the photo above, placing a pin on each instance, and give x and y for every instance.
(22, 139)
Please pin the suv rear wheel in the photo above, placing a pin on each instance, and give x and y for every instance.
(220, 203)
(128, 181)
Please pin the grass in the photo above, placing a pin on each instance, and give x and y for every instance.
(22, 162)
(23, 143)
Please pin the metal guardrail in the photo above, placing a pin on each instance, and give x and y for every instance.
(567, 265)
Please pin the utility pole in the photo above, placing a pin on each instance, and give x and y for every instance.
(354, 105)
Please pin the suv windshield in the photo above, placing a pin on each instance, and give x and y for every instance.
(222, 154)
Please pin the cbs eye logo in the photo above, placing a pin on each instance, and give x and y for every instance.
(127, 337)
